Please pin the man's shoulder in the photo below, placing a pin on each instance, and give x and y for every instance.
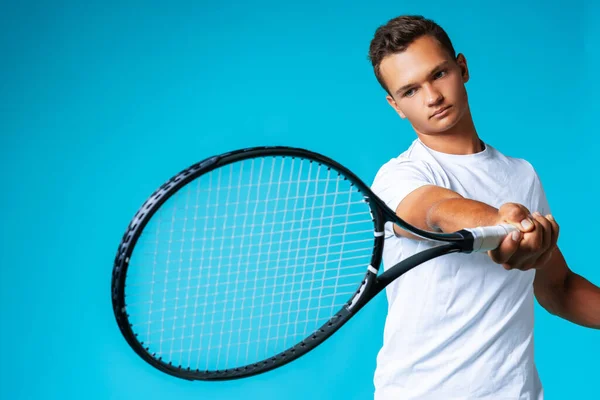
(404, 168)
(512, 161)
(410, 157)
(404, 164)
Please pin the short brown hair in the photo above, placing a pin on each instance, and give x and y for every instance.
(395, 36)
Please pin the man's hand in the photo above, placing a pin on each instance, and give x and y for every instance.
(532, 246)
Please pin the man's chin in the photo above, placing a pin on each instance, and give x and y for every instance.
(444, 126)
(437, 130)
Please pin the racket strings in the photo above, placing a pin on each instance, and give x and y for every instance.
(279, 285)
(234, 307)
(246, 261)
(359, 233)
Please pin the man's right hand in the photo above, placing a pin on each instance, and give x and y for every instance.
(530, 247)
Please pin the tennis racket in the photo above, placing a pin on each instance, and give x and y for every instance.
(250, 259)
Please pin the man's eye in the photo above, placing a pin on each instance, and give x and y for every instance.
(409, 92)
(440, 74)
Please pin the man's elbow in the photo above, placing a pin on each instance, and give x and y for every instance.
(551, 299)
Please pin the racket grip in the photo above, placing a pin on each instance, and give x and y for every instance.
(489, 237)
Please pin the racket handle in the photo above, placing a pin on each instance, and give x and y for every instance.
(489, 237)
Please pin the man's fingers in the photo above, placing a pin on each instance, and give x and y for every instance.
(507, 248)
(526, 225)
(526, 221)
(517, 215)
(546, 231)
(520, 217)
(555, 229)
(536, 240)
(532, 241)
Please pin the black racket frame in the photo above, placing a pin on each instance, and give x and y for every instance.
(370, 286)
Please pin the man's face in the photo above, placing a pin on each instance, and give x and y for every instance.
(425, 80)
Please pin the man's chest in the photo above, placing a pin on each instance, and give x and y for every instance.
(488, 185)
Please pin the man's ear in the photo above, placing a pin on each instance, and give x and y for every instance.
(393, 104)
(464, 69)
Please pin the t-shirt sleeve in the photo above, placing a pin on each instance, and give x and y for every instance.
(398, 178)
(539, 201)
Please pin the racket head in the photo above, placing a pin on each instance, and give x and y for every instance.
(356, 298)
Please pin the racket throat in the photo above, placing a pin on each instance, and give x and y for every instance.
(467, 243)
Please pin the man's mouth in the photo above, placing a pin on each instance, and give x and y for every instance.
(440, 111)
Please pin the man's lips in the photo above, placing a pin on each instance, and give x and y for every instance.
(441, 110)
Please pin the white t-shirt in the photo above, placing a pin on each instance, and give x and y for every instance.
(459, 326)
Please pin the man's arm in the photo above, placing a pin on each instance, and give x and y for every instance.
(438, 209)
(556, 287)
(566, 294)
(434, 208)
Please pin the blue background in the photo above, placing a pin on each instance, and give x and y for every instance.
(101, 103)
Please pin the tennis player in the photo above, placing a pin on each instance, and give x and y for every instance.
(461, 326)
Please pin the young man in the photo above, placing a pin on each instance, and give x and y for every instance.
(461, 326)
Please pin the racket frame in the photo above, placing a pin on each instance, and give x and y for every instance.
(368, 288)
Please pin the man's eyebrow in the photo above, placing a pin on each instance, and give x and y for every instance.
(433, 71)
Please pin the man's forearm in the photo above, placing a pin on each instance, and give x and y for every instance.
(580, 301)
(451, 215)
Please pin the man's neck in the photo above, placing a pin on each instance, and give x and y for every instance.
(453, 144)
(462, 139)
